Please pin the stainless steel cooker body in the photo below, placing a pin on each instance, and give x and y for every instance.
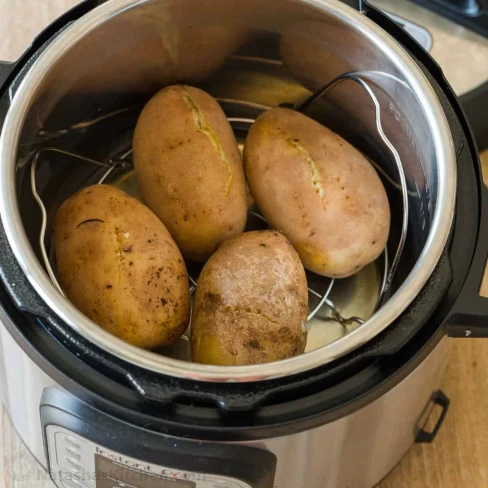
(357, 450)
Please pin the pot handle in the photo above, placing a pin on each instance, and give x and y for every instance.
(469, 316)
(438, 398)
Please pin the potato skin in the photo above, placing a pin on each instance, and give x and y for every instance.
(119, 265)
(189, 169)
(250, 302)
(318, 190)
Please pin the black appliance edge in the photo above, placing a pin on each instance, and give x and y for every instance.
(453, 10)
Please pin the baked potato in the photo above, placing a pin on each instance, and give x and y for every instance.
(251, 302)
(119, 265)
(189, 169)
(317, 189)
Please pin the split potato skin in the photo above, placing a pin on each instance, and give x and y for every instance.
(250, 303)
(189, 169)
(118, 264)
(318, 190)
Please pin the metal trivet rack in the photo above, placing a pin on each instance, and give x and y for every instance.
(123, 162)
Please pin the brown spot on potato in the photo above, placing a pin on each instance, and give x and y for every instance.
(213, 297)
(108, 287)
(255, 344)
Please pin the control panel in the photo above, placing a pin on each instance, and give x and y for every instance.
(76, 462)
(90, 448)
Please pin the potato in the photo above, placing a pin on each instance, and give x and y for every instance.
(318, 190)
(119, 265)
(251, 302)
(189, 169)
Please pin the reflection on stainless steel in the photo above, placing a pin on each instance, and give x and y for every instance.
(53, 95)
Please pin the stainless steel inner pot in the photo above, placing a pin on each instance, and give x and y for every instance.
(262, 52)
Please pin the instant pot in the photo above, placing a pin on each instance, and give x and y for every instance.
(97, 412)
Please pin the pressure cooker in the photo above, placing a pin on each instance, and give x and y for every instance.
(97, 412)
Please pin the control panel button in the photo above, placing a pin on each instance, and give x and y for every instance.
(81, 463)
(71, 453)
(70, 483)
(72, 442)
(73, 464)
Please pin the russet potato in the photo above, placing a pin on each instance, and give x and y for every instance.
(251, 302)
(189, 169)
(317, 189)
(119, 265)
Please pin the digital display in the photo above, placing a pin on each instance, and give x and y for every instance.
(113, 474)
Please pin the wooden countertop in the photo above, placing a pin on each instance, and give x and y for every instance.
(457, 457)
